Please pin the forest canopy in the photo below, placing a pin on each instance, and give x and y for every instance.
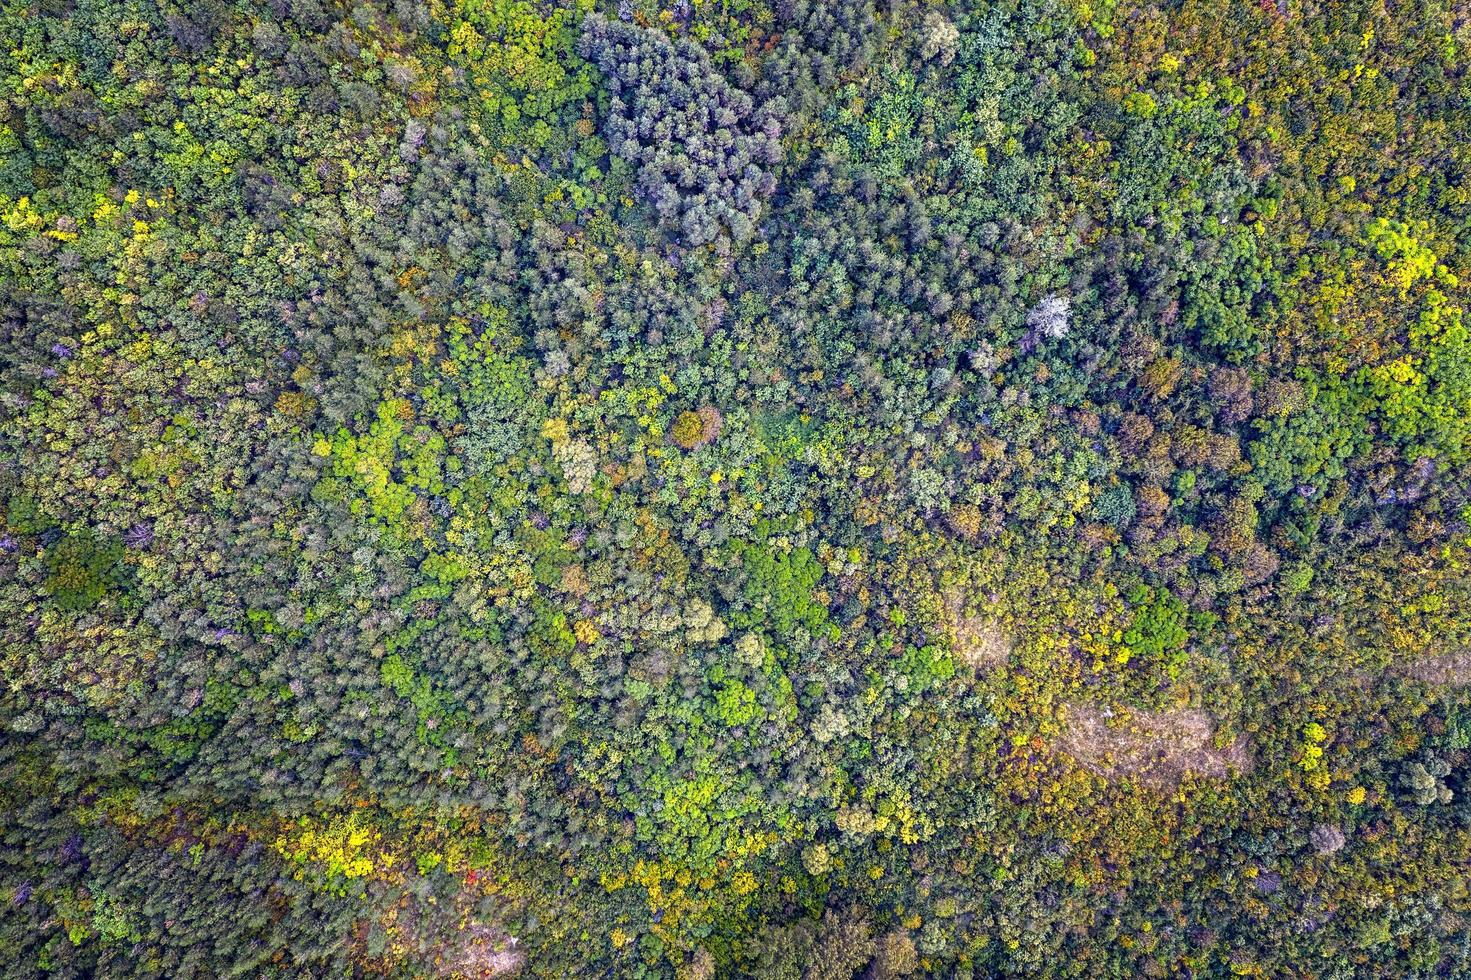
(768, 489)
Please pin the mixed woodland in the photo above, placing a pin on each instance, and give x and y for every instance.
(767, 489)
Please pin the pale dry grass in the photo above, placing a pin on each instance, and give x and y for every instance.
(977, 640)
(1157, 748)
(481, 954)
(1451, 669)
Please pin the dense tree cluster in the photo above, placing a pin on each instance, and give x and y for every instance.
(734, 489)
(703, 151)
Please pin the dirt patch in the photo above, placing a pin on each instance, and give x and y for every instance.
(439, 940)
(1158, 748)
(977, 640)
(1451, 669)
(482, 953)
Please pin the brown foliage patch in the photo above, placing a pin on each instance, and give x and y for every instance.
(1158, 748)
(694, 429)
